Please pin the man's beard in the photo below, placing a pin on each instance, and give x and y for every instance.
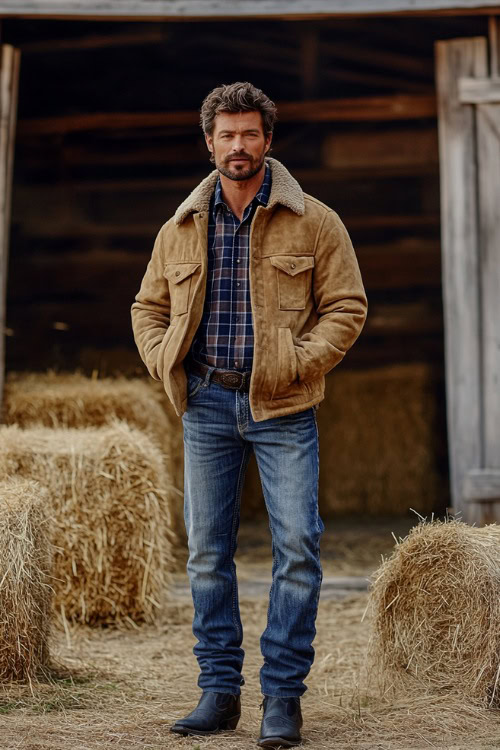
(241, 173)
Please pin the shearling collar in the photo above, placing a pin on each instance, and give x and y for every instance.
(284, 190)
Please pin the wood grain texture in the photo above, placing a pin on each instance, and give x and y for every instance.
(488, 138)
(479, 91)
(359, 109)
(9, 81)
(459, 230)
(481, 485)
(228, 8)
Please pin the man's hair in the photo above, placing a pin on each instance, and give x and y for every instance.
(237, 97)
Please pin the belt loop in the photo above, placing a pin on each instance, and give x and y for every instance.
(208, 376)
(245, 381)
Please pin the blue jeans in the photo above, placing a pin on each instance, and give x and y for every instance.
(219, 435)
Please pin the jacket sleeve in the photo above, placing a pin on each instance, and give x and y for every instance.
(151, 309)
(340, 301)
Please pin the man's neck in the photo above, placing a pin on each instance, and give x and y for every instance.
(238, 194)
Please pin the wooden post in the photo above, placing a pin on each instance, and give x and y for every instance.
(494, 37)
(9, 78)
(488, 138)
(460, 257)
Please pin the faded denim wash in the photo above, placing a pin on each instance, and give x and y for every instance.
(219, 435)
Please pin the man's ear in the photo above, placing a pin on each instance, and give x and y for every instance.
(269, 138)
(209, 142)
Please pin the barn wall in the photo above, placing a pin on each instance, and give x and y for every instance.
(93, 184)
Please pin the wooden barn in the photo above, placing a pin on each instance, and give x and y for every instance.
(389, 111)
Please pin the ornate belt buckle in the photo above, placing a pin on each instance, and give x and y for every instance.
(232, 379)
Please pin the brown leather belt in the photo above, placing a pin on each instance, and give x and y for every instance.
(237, 381)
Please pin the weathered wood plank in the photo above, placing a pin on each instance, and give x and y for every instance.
(373, 172)
(488, 138)
(217, 8)
(459, 229)
(390, 147)
(9, 77)
(155, 35)
(494, 40)
(383, 58)
(106, 318)
(362, 109)
(481, 485)
(395, 266)
(477, 91)
(149, 229)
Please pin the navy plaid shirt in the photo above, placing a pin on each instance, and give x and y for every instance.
(224, 338)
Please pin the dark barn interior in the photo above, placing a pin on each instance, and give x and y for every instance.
(108, 144)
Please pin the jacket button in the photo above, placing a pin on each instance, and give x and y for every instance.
(177, 273)
(293, 265)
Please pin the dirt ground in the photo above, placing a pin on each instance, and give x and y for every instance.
(124, 688)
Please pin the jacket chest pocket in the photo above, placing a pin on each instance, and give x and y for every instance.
(294, 280)
(180, 280)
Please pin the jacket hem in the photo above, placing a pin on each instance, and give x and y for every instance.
(287, 410)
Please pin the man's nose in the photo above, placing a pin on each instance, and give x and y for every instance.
(237, 143)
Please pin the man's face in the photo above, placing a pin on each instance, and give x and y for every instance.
(238, 144)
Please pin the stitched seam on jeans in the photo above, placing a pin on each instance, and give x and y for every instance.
(236, 511)
(318, 516)
(274, 566)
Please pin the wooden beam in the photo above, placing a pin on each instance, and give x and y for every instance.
(382, 58)
(95, 41)
(180, 9)
(488, 141)
(304, 177)
(369, 77)
(494, 39)
(149, 229)
(459, 229)
(398, 265)
(362, 109)
(479, 90)
(390, 146)
(168, 153)
(9, 80)
(412, 319)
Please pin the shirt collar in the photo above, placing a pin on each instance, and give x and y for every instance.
(261, 197)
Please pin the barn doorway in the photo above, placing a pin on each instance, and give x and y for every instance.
(108, 145)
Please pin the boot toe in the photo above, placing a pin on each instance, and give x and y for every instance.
(215, 712)
(281, 722)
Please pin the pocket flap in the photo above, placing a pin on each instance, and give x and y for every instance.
(177, 272)
(292, 264)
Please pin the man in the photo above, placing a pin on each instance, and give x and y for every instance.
(253, 293)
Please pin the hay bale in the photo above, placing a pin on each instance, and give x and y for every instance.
(73, 400)
(436, 611)
(176, 439)
(25, 592)
(110, 518)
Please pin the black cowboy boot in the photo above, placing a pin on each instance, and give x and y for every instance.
(281, 722)
(215, 711)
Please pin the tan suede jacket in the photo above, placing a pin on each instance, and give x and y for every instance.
(308, 300)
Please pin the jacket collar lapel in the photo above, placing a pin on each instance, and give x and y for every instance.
(285, 191)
